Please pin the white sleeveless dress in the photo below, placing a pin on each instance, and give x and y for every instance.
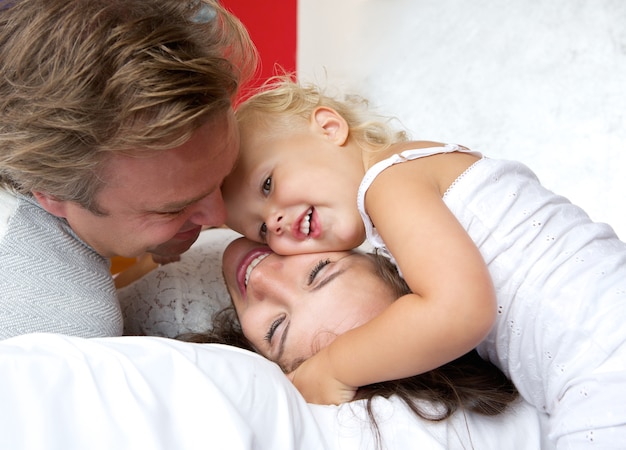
(560, 280)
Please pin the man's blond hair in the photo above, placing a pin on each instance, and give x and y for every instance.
(81, 80)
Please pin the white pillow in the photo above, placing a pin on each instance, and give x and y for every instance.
(147, 393)
(70, 393)
(179, 297)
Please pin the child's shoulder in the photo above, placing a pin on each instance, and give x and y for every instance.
(424, 161)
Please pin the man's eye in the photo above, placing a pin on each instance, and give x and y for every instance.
(267, 185)
(319, 266)
(171, 213)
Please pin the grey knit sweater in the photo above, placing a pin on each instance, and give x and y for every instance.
(50, 280)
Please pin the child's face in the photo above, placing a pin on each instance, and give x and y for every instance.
(296, 192)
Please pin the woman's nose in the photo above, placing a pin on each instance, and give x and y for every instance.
(210, 211)
(267, 282)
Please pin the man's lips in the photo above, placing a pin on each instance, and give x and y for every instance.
(189, 234)
(247, 264)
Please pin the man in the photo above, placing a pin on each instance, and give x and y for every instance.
(116, 131)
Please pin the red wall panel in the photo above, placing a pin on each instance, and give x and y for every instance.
(273, 28)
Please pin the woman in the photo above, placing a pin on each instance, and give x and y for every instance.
(289, 307)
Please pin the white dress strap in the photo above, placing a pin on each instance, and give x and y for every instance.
(372, 235)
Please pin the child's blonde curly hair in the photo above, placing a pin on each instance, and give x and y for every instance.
(284, 102)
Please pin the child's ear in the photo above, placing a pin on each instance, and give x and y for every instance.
(51, 204)
(332, 124)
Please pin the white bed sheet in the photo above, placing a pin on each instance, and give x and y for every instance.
(69, 393)
(59, 392)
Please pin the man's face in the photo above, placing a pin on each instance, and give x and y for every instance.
(159, 203)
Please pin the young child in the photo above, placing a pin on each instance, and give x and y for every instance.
(478, 240)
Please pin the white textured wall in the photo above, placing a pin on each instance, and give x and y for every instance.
(540, 81)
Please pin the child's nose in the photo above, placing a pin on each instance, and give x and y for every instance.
(275, 224)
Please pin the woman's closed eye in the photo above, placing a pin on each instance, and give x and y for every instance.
(272, 330)
(316, 270)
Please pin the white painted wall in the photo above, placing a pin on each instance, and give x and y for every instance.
(540, 81)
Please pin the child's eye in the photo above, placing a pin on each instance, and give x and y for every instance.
(267, 185)
(263, 231)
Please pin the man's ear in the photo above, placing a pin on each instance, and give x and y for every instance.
(51, 204)
(332, 124)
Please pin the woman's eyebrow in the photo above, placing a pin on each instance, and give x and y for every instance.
(293, 366)
(328, 279)
(344, 264)
(281, 345)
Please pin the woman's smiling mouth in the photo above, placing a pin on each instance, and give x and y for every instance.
(251, 267)
(247, 265)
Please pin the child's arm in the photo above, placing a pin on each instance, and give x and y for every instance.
(453, 304)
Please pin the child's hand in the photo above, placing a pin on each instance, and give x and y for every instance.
(315, 381)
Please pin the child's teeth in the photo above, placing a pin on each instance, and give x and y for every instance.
(305, 226)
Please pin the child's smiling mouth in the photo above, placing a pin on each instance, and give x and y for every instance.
(305, 224)
(304, 228)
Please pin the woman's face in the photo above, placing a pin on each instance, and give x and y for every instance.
(291, 306)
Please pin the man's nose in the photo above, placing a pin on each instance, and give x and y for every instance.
(210, 211)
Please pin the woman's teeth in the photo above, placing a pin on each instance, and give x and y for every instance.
(305, 226)
(252, 265)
